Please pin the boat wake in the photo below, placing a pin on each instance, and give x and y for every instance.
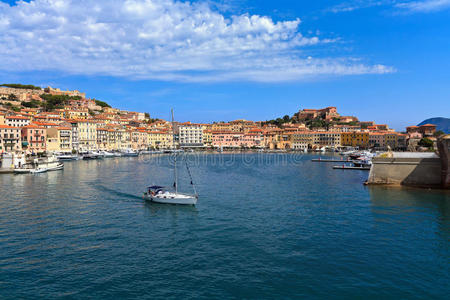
(118, 193)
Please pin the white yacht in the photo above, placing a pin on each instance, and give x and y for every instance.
(160, 194)
(130, 153)
(67, 157)
(107, 154)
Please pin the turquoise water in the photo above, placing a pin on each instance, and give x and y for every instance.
(267, 226)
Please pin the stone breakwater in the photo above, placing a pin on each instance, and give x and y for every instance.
(414, 169)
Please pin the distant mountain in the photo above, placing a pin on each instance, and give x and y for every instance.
(441, 123)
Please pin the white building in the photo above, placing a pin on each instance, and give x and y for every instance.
(17, 121)
(190, 135)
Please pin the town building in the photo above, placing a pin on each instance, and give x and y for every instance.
(328, 113)
(10, 139)
(34, 138)
(190, 135)
(59, 139)
(17, 121)
(355, 139)
(87, 135)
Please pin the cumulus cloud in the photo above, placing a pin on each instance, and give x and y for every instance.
(161, 39)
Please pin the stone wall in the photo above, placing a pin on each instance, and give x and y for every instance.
(410, 171)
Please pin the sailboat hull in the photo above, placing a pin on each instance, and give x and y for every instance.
(172, 198)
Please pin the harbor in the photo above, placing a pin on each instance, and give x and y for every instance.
(258, 212)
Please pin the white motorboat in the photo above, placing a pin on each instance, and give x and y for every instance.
(67, 157)
(58, 167)
(117, 154)
(22, 171)
(100, 154)
(159, 194)
(130, 153)
(38, 170)
(107, 154)
(91, 156)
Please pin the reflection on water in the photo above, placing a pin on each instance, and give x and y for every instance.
(266, 226)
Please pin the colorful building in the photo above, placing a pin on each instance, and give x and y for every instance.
(355, 139)
(34, 138)
(10, 139)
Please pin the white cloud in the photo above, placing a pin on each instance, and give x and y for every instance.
(349, 6)
(425, 5)
(160, 39)
(401, 5)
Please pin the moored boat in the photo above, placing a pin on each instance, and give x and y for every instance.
(22, 171)
(107, 154)
(91, 156)
(38, 170)
(129, 153)
(67, 157)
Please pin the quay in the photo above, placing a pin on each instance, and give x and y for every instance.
(416, 169)
(344, 167)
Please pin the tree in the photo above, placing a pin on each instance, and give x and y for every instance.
(31, 104)
(56, 101)
(21, 86)
(439, 133)
(101, 103)
(147, 115)
(426, 142)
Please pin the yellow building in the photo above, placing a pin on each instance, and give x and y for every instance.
(355, 139)
(125, 139)
(59, 139)
(87, 135)
(221, 127)
(391, 140)
(76, 114)
(159, 139)
(2, 118)
(207, 138)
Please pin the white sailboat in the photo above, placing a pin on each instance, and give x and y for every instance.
(160, 194)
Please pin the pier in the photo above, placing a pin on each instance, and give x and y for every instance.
(330, 160)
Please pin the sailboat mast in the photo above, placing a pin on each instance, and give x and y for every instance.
(175, 157)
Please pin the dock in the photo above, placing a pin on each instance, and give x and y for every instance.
(6, 171)
(330, 160)
(344, 167)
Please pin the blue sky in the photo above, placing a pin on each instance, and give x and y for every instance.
(381, 60)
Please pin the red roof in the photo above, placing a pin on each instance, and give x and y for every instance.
(8, 127)
(33, 127)
(17, 118)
